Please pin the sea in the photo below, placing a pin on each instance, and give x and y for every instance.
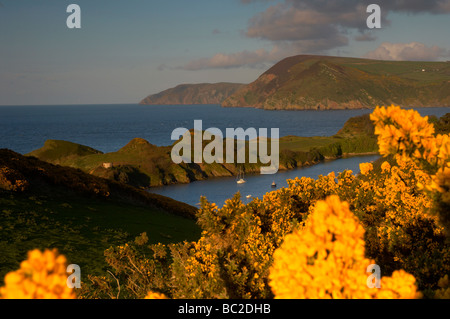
(108, 128)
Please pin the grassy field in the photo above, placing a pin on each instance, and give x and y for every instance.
(305, 144)
(80, 228)
(424, 72)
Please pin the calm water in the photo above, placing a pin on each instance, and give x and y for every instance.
(109, 127)
(220, 189)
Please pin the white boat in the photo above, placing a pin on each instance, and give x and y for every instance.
(241, 179)
(249, 196)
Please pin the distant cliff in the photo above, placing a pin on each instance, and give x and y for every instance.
(204, 93)
(325, 82)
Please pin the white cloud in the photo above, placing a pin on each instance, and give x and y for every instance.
(414, 51)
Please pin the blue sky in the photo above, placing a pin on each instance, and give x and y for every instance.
(127, 49)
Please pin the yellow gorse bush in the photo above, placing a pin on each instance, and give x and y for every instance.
(326, 260)
(409, 136)
(404, 132)
(42, 276)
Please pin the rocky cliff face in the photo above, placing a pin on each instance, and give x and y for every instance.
(205, 93)
(321, 82)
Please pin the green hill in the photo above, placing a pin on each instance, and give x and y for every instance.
(58, 151)
(325, 82)
(203, 93)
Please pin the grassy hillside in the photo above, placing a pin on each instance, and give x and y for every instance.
(142, 164)
(27, 173)
(57, 151)
(321, 82)
(204, 93)
(48, 206)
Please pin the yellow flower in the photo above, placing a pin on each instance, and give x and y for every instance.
(441, 181)
(404, 131)
(365, 168)
(42, 276)
(326, 260)
(155, 295)
(385, 167)
(400, 285)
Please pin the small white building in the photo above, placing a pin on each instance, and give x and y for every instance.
(107, 165)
